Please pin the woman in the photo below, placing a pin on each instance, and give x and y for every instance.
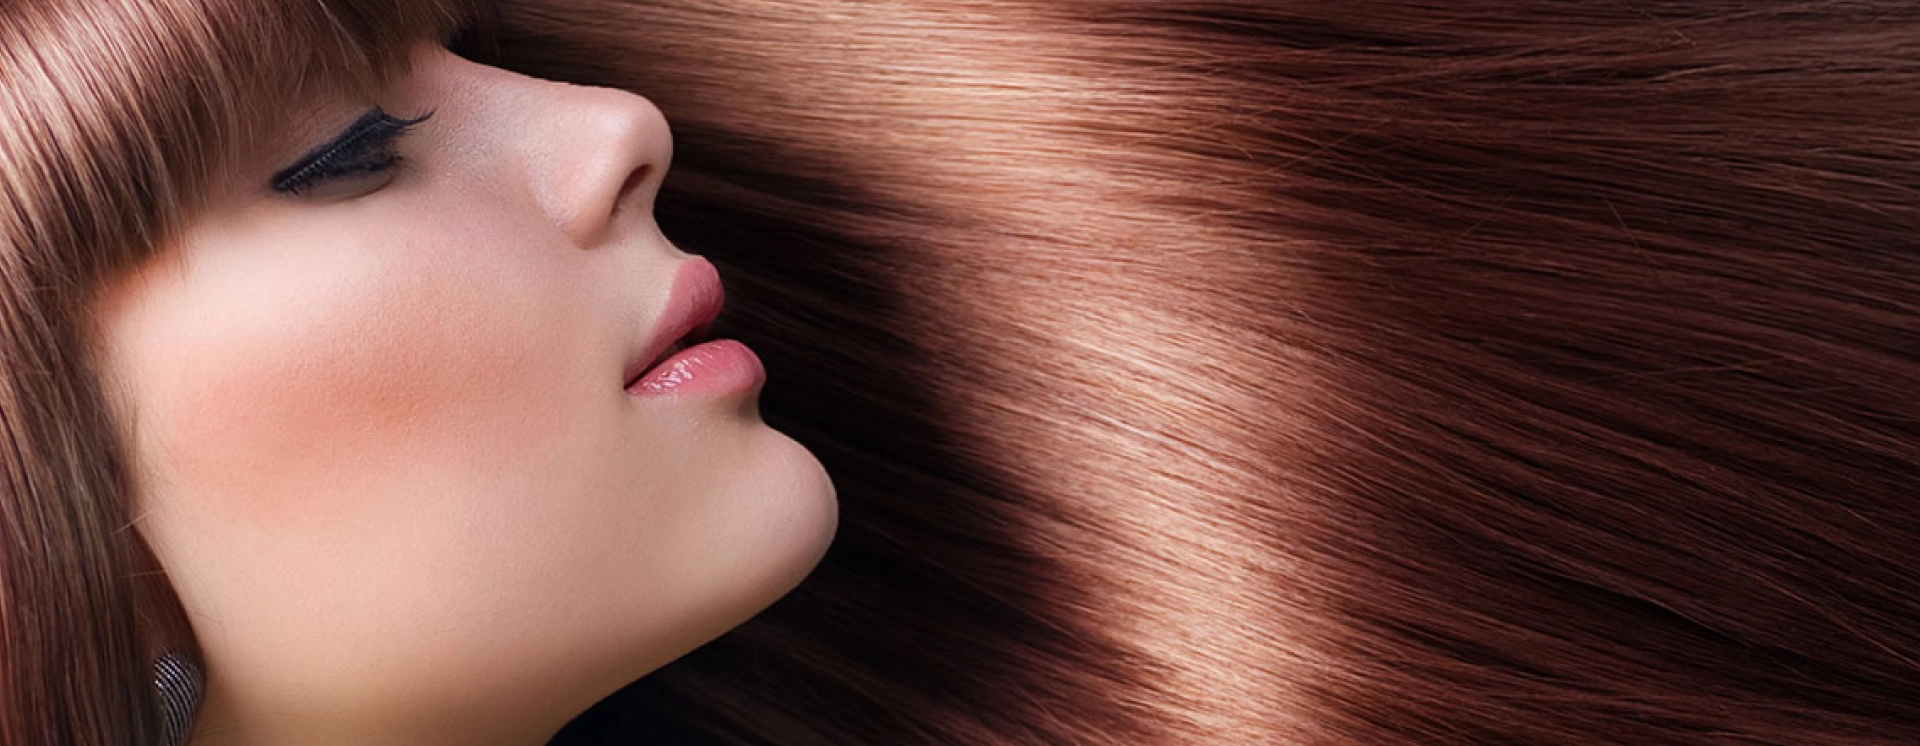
(1228, 372)
(381, 355)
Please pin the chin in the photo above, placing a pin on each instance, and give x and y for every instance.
(741, 548)
(801, 513)
(781, 517)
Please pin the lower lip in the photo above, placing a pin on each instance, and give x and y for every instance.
(717, 367)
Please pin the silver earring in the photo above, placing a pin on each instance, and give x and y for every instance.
(179, 683)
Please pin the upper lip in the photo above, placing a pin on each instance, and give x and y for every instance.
(692, 305)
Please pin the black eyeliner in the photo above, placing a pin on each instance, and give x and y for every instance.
(345, 153)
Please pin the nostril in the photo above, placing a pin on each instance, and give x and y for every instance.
(632, 184)
(599, 176)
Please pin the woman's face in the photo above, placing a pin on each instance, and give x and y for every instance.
(381, 433)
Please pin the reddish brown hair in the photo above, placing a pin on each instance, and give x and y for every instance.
(1242, 371)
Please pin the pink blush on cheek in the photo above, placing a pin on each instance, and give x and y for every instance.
(251, 423)
(344, 393)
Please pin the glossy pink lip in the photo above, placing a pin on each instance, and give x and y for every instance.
(692, 305)
(723, 366)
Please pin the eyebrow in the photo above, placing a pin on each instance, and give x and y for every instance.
(373, 127)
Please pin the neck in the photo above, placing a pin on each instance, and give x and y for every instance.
(222, 723)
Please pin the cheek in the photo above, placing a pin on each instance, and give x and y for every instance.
(336, 375)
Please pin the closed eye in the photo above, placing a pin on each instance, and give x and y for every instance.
(364, 147)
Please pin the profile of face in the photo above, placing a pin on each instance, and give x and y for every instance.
(381, 429)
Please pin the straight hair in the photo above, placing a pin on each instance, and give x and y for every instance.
(1255, 371)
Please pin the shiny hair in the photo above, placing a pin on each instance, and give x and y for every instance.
(115, 119)
(1286, 371)
(1196, 371)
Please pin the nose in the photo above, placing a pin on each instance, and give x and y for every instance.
(607, 152)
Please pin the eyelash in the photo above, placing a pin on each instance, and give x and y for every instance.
(367, 147)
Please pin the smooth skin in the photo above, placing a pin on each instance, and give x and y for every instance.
(382, 446)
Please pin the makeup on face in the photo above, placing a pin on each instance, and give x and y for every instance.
(365, 148)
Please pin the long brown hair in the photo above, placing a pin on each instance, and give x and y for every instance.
(115, 117)
(1257, 371)
(1238, 371)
